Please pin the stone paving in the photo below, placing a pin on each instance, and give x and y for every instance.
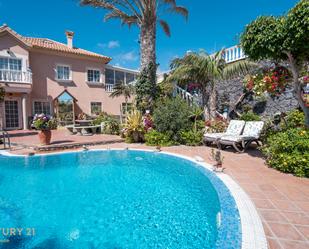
(282, 200)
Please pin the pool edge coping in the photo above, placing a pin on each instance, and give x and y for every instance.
(252, 231)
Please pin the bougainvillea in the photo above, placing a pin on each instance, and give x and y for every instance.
(273, 82)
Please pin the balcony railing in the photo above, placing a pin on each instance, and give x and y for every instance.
(109, 87)
(234, 53)
(15, 76)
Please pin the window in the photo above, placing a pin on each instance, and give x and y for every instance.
(63, 72)
(41, 107)
(119, 77)
(129, 78)
(124, 108)
(96, 108)
(109, 76)
(10, 64)
(94, 76)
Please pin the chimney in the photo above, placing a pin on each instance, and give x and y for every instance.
(69, 35)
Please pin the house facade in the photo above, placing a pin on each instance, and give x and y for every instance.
(38, 73)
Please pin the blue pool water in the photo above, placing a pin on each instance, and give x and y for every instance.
(114, 200)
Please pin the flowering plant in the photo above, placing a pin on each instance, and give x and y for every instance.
(273, 82)
(44, 122)
(216, 125)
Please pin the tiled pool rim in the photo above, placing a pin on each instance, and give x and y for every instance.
(252, 234)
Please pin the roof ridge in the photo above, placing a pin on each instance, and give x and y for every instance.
(54, 45)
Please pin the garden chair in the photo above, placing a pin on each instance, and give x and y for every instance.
(240, 143)
(235, 128)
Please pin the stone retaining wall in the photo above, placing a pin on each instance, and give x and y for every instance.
(229, 92)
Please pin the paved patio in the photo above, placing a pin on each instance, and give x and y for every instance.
(282, 200)
(61, 138)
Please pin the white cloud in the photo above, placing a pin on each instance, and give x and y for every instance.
(113, 44)
(129, 56)
(110, 44)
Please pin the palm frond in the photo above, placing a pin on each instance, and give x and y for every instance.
(165, 27)
(121, 9)
(238, 68)
(98, 3)
(120, 89)
(180, 10)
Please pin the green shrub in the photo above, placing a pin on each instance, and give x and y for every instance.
(111, 125)
(155, 138)
(288, 151)
(250, 116)
(171, 116)
(295, 118)
(191, 138)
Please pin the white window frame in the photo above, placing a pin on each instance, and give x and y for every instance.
(20, 114)
(70, 73)
(42, 101)
(91, 106)
(94, 69)
(13, 58)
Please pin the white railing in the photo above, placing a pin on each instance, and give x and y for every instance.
(234, 53)
(15, 76)
(109, 87)
(188, 97)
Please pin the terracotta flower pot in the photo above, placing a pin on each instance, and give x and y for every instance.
(136, 136)
(45, 137)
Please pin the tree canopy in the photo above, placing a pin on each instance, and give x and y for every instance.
(270, 37)
(284, 38)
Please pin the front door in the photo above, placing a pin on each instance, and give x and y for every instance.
(12, 114)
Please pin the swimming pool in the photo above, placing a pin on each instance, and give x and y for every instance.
(115, 199)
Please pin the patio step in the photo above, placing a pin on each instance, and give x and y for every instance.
(76, 145)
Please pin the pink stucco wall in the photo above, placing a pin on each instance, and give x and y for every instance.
(45, 87)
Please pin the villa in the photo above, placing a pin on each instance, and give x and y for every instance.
(37, 72)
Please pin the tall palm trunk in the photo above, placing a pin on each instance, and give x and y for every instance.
(210, 101)
(148, 50)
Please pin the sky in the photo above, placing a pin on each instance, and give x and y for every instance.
(211, 25)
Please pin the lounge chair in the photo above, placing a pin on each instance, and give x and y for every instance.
(251, 133)
(235, 128)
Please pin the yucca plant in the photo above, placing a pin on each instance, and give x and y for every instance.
(134, 127)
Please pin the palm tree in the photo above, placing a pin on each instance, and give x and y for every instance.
(205, 70)
(195, 113)
(145, 14)
(126, 90)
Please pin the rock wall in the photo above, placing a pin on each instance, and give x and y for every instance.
(229, 92)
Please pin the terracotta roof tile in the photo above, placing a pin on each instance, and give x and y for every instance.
(49, 44)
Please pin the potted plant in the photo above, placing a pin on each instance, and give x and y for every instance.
(217, 157)
(45, 124)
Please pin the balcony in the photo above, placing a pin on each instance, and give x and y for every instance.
(15, 76)
(109, 87)
(234, 53)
